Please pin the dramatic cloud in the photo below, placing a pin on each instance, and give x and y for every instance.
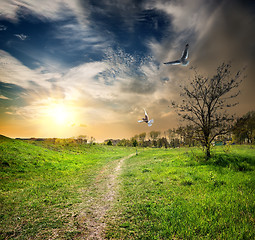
(14, 72)
(101, 62)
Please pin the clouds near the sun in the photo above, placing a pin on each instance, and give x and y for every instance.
(108, 84)
(105, 58)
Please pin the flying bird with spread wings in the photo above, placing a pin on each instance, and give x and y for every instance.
(146, 119)
(183, 60)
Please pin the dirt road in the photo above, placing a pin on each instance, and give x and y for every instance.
(100, 199)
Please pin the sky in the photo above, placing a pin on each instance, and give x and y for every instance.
(88, 67)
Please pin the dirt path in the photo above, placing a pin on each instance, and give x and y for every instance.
(102, 196)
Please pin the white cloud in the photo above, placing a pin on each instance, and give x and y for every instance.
(80, 36)
(185, 15)
(77, 32)
(108, 89)
(4, 97)
(47, 9)
(190, 22)
(14, 72)
(8, 10)
(2, 27)
(21, 36)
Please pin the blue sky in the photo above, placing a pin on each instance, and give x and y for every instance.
(99, 63)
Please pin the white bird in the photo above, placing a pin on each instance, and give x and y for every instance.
(146, 119)
(183, 60)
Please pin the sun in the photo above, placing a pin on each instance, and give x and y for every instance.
(60, 114)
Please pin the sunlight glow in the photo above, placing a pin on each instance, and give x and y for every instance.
(60, 114)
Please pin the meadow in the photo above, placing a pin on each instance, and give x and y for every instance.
(162, 193)
(176, 194)
(43, 185)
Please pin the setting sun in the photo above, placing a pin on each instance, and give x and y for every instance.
(60, 114)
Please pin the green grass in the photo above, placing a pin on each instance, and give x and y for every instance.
(175, 194)
(42, 186)
(163, 193)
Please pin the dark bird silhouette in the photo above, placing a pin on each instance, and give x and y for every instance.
(183, 60)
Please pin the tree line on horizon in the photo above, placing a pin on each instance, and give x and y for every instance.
(241, 132)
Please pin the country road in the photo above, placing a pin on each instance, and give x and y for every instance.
(100, 199)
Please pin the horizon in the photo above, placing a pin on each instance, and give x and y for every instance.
(90, 68)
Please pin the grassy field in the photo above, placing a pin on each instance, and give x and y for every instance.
(175, 194)
(162, 193)
(42, 186)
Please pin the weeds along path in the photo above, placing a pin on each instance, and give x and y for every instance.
(99, 199)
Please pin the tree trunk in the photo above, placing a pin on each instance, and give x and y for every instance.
(208, 146)
(208, 151)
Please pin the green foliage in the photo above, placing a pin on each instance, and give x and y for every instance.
(244, 128)
(135, 143)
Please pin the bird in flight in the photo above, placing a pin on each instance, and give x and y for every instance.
(183, 60)
(146, 119)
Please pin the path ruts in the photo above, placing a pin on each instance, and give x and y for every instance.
(102, 197)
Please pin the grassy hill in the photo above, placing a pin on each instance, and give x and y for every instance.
(41, 186)
(163, 193)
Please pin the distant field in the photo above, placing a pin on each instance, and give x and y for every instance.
(162, 193)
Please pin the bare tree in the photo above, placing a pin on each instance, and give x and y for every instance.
(205, 101)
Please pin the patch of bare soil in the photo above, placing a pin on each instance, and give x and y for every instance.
(100, 199)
